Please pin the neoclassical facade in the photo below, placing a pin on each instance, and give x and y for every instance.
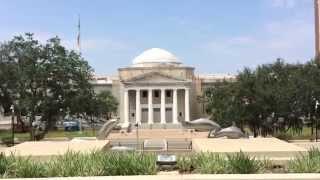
(157, 90)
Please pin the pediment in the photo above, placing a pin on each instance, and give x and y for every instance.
(154, 77)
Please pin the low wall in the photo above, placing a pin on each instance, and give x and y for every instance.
(45, 149)
(258, 147)
(205, 177)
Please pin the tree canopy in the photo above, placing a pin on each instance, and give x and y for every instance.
(44, 79)
(270, 98)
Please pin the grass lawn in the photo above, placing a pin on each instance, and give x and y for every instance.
(291, 135)
(71, 134)
(51, 134)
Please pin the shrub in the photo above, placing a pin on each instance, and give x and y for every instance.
(75, 164)
(241, 163)
(185, 162)
(7, 140)
(4, 163)
(100, 163)
(210, 163)
(95, 163)
(21, 167)
(308, 163)
(128, 163)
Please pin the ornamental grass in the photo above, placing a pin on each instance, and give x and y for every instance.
(306, 163)
(70, 164)
(213, 163)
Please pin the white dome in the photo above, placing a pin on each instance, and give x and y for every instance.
(155, 57)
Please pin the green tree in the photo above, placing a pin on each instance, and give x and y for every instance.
(107, 104)
(42, 79)
(271, 98)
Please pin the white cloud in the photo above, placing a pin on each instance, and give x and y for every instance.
(292, 40)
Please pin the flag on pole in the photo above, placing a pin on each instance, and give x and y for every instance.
(78, 37)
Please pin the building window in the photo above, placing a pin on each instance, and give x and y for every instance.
(156, 94)
(144, 94)
(168, 94)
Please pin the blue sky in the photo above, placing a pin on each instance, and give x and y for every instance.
(214, 36)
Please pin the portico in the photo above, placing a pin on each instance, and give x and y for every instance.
(151, 105)
(156, 90)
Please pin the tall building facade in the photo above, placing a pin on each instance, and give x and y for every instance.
(158, 90)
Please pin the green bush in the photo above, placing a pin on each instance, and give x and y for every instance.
(7, 140)
(20, 167)
(210, 163)
(97, 163)
(75, 164)
(308, 163)
(213, 163)
(185, 163)
(4, 164)
(128, 163)
(101, 164)
(241, 163)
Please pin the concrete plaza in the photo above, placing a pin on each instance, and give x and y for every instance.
(53, 148)
(258, 147)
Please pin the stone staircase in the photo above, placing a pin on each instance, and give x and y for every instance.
(160, 126)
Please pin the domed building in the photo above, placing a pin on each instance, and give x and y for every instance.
(157, 90)
(156, 57)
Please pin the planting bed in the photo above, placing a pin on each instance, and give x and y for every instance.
(102, 163)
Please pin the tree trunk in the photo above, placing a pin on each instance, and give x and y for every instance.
(20, 122)
(255, 134)
(32, 119)
(312, 134)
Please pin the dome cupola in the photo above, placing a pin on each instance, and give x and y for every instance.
(156, 57)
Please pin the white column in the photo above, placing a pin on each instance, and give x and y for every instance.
(175, 107)
(150, 107)
(126, 108)
(163, 106)
(138, 107)
(186, 105)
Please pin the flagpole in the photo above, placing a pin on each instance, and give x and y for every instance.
(79, 37)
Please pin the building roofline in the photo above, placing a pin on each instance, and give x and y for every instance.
(157, 67)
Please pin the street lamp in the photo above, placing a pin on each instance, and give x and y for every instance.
(316, 107)
(12, 123)
(137, 134)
